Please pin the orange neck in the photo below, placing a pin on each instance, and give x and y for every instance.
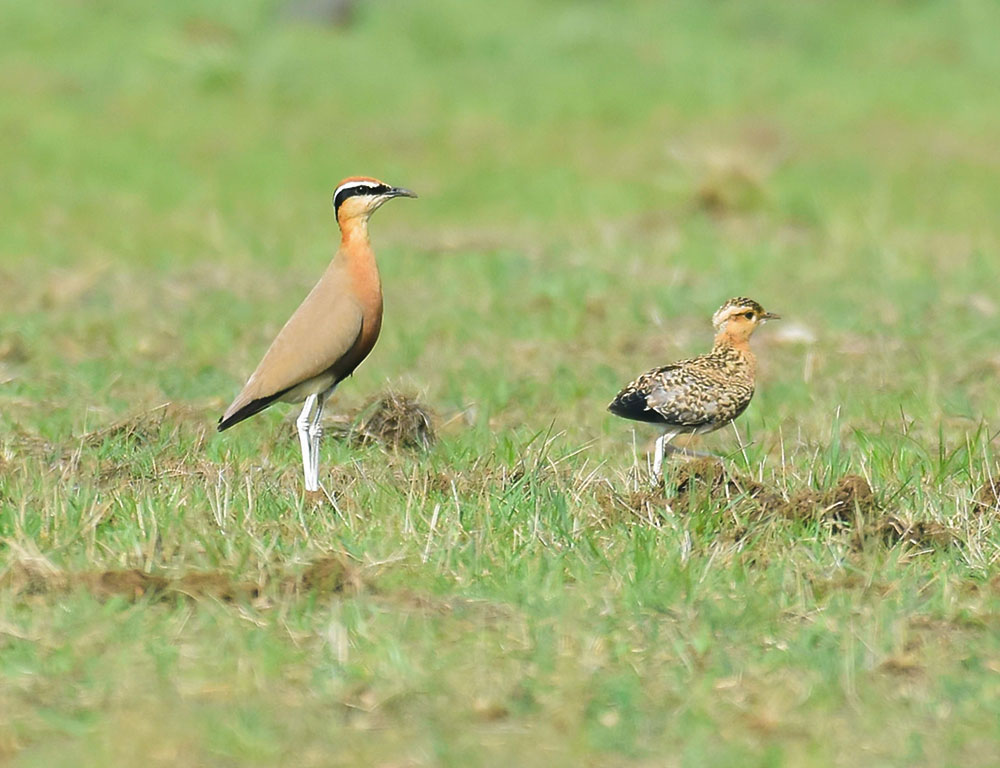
(726, 338)
(353, 232)
(358, 259)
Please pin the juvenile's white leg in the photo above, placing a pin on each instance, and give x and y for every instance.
(315, 433)
(658, 457)
(658, 451)
(302, 424)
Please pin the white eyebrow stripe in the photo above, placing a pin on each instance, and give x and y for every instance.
(352, 185)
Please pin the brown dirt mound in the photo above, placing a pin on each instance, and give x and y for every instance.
(850, 497)
(851, 502)
(38, 578)
(132, 584)
(644, 503)
(902, 665)
(330, 575)
(708, 479)
(848, 582)
(925, 534)
(214, 584)
(32, 576)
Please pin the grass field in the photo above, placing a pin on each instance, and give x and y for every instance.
(595, 178)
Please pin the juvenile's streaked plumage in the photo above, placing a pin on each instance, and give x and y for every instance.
(703, 393)
(331, 332)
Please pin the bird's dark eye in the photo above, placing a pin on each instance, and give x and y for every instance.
(748, 315)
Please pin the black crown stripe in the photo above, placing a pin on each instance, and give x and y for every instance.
(362, 188)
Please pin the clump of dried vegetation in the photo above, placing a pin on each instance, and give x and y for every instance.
(392, 420)
(850, 506)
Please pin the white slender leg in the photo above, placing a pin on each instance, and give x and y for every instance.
(315, 433)
(661, 445)
(658, 457)
(302, 424)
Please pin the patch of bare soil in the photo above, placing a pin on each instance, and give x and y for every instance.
(905, 664)
(214, 584)
(924, 534)
(848, 582)
(330, 575)
(708, 480)
(32, 576)
(39, 577)
(849, 500)
(79, 455)
(976, 587)
(643, 503)
(131, 584)
(135, 584)
(851, 504)
(688, 485)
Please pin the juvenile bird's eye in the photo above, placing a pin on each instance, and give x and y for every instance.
(748, 315)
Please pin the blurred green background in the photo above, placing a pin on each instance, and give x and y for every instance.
(595, 179)
(594, 176)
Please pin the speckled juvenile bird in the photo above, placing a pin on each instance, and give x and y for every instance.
(704, 393)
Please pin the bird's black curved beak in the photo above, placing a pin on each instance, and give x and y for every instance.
(401, 192)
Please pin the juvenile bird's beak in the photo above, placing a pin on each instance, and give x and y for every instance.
(401, 192)
(769, 316)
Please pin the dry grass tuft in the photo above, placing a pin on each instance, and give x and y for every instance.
(391, 420)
